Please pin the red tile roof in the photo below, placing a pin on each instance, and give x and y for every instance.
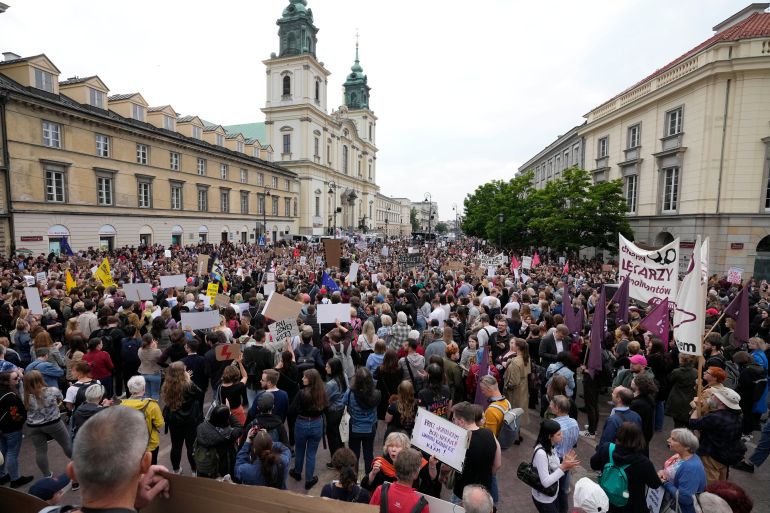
(756, 25)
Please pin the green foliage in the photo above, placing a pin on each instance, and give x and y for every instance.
(413, 220)
(441, 228)
(568, 214)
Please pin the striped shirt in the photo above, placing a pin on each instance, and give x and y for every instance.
(569, 432)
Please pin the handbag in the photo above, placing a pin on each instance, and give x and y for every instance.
(215, 402)
(527, 473)
(345, 424)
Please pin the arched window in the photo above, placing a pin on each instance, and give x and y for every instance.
(287, 85)
(317, 90)
(345, 159)
(353, 99)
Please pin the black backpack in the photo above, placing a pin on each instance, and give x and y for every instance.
(80, 396)
(306, 361)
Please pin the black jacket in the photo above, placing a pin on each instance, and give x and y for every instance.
(223, 439)
(548, 351)
(272, 424)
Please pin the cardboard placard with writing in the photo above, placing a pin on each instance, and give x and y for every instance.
(203, 265)
(268, 288)
(279, 306)
(333, 252)
(441, 438)
(227, 352)
(284, 329)
(222, 300)
(734, 275)
(138, 291)
(211, 291)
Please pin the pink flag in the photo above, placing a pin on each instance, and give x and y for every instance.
(514, 263)
(536, 259)
(566, 268)
(657, 322)
(738, 309)
(598, 330)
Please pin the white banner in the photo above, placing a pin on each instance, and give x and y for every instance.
(526, 262)
(690, 314)
(441, 438)
(487, 261)
(33, 300)
(331, 313)
(653, 274)
(353, 274)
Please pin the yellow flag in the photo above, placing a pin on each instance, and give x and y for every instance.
(70, 283)
(103, 273)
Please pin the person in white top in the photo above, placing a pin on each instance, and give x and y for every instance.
(438, 313)
(513, 304)
(546, 462)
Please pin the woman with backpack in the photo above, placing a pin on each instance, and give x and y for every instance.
(148, 407)
(344, 488)
(216, 444)
(181, 413)
(546, 462)
(751, 382)
(361, 400)
(436, 396)
(308, 406)
(262, 462)
(625, 458)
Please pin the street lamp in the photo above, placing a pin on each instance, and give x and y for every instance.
(500, 220)
(454, 209)
(265, 195)
(387, 221)
(429, 201)
(332, 189)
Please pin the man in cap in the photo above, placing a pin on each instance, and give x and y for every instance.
(638, 365)
(720, 433)
(49, 489)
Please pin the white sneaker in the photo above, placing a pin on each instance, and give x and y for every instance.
(747, 438)
(588, 434)
(178, 471)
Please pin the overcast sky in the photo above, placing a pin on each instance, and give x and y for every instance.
(465, 91)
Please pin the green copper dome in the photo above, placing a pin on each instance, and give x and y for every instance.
(296, 8)
(296, 31)
(356, 87)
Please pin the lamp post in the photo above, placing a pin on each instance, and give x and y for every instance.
(429, 201)
(387, 221)
(265, 195)
(500, 220)
(454, 209)
(332, 191)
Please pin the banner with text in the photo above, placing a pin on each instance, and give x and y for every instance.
(653, 274)
(440, 438)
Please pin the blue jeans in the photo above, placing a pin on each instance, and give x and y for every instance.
(763, 447)
(10, 444)
(152, 386)
(307, 436)
(493, 490)
(659, 415)
(421, 325)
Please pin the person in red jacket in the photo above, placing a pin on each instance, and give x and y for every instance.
(101, 365)
(400, 497)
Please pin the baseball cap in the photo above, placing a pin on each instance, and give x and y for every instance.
(47, 487)
(638, 359)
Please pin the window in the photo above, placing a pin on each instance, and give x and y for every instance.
(275, 182)
(244, 175)
(224, 171)
(197, 132)
(261, 179)
(173, 160)
(317, 90)
(239, 146)
(358, 167)
(224, 200)
(137, 112)
(203, 199)
(43, 80)
(244, 202)
(670, 189)
(604, 147)
(558, 163)
(287, 207)
(329, 153)
(345, 159)
(287, 143)
(220, 140)
(142, 154)
(674, 121)
(104, 188)
(95, 98)
(631, 186)
(371, 129)
(370, 170)
(316, 146)
(317, 206)
(256, 152)
(261, 204)
(102, 145)
(287, 85)
(634, 136)
(51, 134)
(145, 193)
(566, 159)
(168, 123)
(202, 167)
(275, 205)
(287, 183)
(55, 185)
(767, 195)
(176, 196)
(295, 207)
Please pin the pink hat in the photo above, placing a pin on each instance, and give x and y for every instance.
(638, 359)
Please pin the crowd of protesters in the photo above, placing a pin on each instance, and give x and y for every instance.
(464, 345)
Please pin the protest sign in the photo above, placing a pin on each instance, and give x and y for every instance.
(41, 278)
(734, 275)
(227, 352)
(453, 265)
(375, 278)
(284, 329)
(353, 274)
(562, 260)
(269, 277)
(167, 253)
(20, 502)
(29, 279)
(491, 271)
(410, 260)
(655, 499)
(654, 274)
(487, 261)
(302, 260)
(385, 251)
(333, 252)
(526, 262)
(211, 291)
(279, 306)
(33, 300)
(200, 320)
(319, 260)
(203, 265)
(437, 505)
(329, 314)
(222, 300)
(174, 281)
(440, 438)
(268, 288)
(138, 291)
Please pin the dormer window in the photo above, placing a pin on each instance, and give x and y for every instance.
(95, 98)
(220, 140)
(43, 80)
(168, 122)
(239, 146)
(197, 132)
(137, 112)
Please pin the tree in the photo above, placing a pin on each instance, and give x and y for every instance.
(413, 220)
(441, 228)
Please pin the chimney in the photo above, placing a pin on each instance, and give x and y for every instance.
(740, 16)
(9, 56)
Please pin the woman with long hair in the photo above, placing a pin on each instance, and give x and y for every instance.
(75, 353)
(148, 367)
(344, 488)
(546, 462)
(361, 400)
(12, 417)
(263, 462)
(160, 333)
(232, 390)
(388, 376)
(289, 382)
(309, 405)
(516, 379)
(453, 373)
(645, 390)
(402, 412)
(43, 419)
(22, 342)
(365, 344)
(181, 412)
(43, 339)
(436, 396)
(335, 387)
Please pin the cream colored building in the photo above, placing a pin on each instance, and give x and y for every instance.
(392, 216)
(111, 171)
(691, 143)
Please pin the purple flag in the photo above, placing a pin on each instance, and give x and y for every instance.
(598, 330)
(621, 298)
(738, 309)
(580, 319)
(568, 312)
(658, 322)
(480, 399)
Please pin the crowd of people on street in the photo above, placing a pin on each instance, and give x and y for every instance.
(102, 375)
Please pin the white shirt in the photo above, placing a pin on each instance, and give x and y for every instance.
(559, 345)
(510, 307)
(438, 314)
(548, 469)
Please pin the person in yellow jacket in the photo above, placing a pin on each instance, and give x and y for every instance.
(152, 413)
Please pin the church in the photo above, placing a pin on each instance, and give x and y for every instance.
(333, 154)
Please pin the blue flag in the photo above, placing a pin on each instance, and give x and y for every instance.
(327, 282)
(65, 247)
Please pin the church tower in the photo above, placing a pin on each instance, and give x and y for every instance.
(356, 88)
(296, 30)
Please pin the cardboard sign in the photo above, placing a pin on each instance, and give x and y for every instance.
(375, 278)
(319, 260)
(329, 314)
(268, 288)
(269, 277)
(211, 291)
(138, 291)
(19, 502)
(353, 274)
(437, 505)
(222, 300)
(30, 280)
(203, 265)
(734, 275)
(285, 329)
(227, 352)
(487, 261)
(167, 253)
(441, 438)
(385, 251)
(562, 261)
(302, 260)
(333, 252)
(526, 262)
(279, 306)
(178, 281)
(491, 271)
(200, 320)
(41, 277)
(453, 266)
(33, 300)
(655, 499)
(524, 278)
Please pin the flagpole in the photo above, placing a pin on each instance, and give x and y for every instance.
(714, 326)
